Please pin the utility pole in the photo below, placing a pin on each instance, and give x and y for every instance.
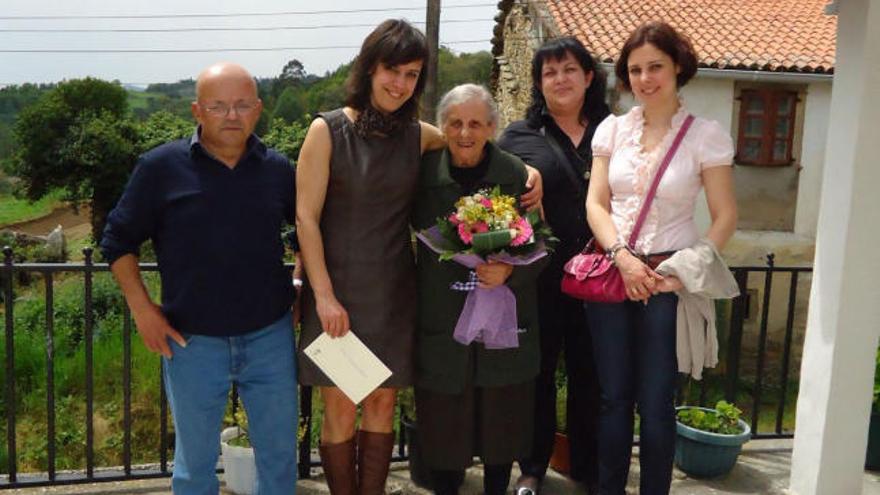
(432, 32)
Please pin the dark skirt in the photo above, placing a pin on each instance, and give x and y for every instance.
(494, 423)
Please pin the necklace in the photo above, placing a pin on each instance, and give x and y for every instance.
(371, 121)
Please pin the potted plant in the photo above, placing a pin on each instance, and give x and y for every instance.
(872, 456)
(239, 466)
(709, 440)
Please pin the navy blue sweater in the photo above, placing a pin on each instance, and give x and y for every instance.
(216, 231)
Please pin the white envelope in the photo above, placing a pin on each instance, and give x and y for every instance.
(349, 363)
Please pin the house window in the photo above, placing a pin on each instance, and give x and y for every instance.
(766, 127)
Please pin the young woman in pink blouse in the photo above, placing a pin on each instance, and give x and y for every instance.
(634, 341)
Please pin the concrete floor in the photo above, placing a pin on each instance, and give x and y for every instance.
(763, 468)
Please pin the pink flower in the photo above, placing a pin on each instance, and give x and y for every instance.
(453, 218)
(464, 233)
(487, 203)
(524, 232)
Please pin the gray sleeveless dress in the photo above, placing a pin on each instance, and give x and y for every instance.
(367, 248)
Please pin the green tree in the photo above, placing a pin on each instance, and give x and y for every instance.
(6, 141)
(287, 138)
(101, 150)
(453, 69)
(76, 138)
(327, 92)
(290, 105)
(292, 74)
(162, 127)
(80, 138)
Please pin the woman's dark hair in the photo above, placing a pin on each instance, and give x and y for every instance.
(594, 108)
(392, 43)
(667, 40)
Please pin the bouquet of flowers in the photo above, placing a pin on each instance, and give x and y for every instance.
(487, 226)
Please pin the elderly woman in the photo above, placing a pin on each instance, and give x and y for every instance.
(484, 396)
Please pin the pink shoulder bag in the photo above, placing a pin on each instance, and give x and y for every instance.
(591, 275)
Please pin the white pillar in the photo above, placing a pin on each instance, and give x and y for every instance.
(844, 315)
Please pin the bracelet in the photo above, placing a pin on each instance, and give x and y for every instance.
(297, 283)
(612, 254)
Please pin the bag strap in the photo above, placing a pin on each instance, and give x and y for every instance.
(563, 160)
(649, 198)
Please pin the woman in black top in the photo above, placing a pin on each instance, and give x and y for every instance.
(568, 102)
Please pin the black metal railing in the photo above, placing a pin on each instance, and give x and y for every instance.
(748, 390)
(730, 381)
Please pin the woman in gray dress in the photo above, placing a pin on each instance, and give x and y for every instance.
(356, 177)
(356, 180)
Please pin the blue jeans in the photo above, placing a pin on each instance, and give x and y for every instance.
(634, 348)
(198, 379)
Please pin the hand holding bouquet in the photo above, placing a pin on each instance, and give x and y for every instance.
(487, 226)
(487, 223)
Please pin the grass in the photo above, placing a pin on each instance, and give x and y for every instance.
(14, 210)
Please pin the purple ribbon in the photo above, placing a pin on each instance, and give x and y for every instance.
(488, 316)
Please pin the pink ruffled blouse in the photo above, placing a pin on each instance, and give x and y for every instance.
(670, 222)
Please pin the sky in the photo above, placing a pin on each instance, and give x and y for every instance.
(32, 31)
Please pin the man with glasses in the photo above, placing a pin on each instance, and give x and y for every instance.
(214, 206)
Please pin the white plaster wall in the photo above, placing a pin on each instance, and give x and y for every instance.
(817, 108)
(711, 99)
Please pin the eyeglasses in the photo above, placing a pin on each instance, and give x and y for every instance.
(222, 109)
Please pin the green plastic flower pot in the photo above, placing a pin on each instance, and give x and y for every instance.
(701, 454)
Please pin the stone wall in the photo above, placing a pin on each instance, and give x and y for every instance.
(513, 87)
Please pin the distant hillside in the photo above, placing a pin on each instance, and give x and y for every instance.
(290, 96)
(14, 98)
(145, 103)
(185, 88)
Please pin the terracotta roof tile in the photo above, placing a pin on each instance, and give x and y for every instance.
(771, 35)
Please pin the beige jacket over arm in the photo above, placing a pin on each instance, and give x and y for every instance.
(705, 277)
